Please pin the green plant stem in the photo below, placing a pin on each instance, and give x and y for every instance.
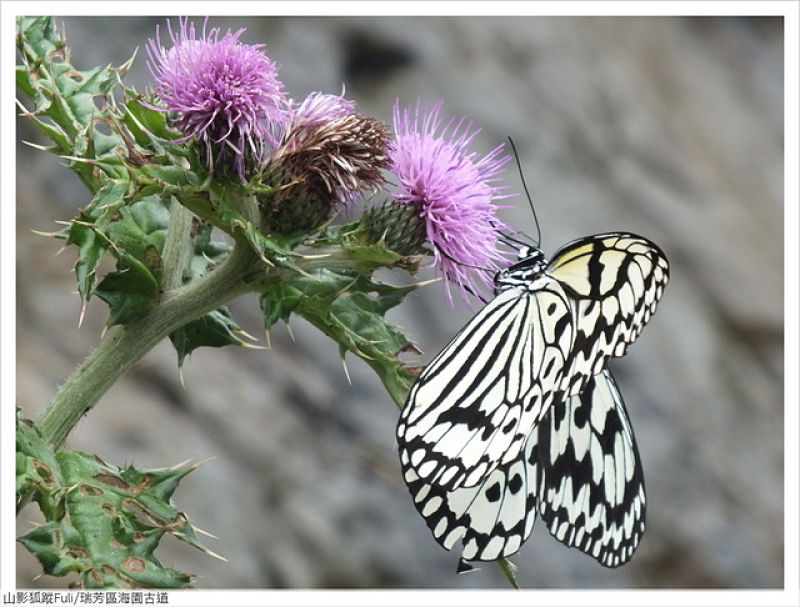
(119, 351)
(176, 246)
(179, 306)
(509, 571)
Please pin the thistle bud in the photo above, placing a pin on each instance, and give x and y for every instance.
(291, 209)
(322, 164)
(399, 226)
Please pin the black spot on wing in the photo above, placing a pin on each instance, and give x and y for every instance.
(498, 528)
(493, 492)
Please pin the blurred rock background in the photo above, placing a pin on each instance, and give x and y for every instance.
(670, 127)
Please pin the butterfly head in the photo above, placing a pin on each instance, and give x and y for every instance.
(527, 251)
(531, 263)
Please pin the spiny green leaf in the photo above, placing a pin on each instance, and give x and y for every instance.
(53, 132)
(171, 177)
(99, 139)
(38, 472)
(148, 126)
(70, 91)
(24, 81)
(103, 522)
(356, 239)
(376, 254)
(140, 227)
(356, 320)
(216, 329)
(360, 316)
(107, 149)
(130, 291)
(39, 38)
(136, 230)
(350, 308)
(281, 296)
(207, 252)
(106, 202)
(91, 248)
(64, 103)
(273, 249)
(278, 302)
(93, 82)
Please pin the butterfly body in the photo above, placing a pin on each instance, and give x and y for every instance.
(532, 264)
(519, 414)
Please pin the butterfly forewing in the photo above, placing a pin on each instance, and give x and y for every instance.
(591, 487)
(475, 404)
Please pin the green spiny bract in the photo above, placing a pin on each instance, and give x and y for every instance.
(398, 226)
(292, 207)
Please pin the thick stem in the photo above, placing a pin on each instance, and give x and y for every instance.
(119, 351)
(176, 247)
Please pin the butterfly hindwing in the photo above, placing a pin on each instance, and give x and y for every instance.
(591, 491)
(490, 520)
(580, 471)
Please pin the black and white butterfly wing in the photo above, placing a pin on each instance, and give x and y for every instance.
(591, 488)
(580, 470)
(474, 406)
(614, 282)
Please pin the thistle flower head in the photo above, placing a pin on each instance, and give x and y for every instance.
(455, 191)
(221, 92)
(328, 155)
(332, 151)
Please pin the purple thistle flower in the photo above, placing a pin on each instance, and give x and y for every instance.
(222, 92)
(455, 191)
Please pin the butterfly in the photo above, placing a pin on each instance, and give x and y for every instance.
(519, 414)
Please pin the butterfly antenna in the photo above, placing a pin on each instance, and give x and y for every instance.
(527, 193)
(510, 240)
(515, 243)
(475, 294)
(467, 288)
(466, 265)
